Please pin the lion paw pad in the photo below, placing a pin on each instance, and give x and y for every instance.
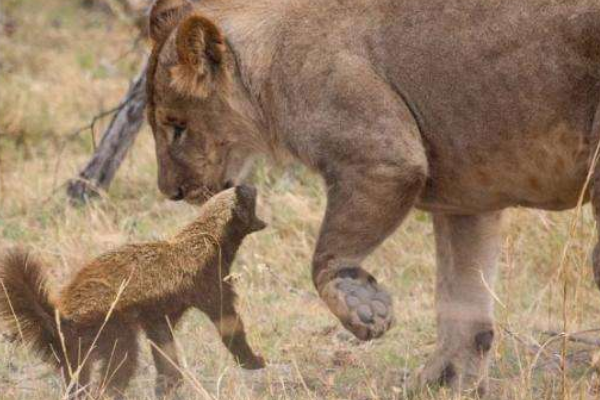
(360, 303)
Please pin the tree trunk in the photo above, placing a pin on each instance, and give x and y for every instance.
(114, 145)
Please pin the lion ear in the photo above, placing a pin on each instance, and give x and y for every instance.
(201, 57)
(164, 17)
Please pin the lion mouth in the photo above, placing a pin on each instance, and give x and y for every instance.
(199, 196)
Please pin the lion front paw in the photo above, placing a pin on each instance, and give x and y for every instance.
(363, 307)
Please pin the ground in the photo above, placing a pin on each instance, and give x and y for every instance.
(61, 64)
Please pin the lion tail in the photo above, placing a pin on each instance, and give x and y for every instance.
(25, 306)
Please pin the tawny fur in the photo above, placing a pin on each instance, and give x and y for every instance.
(201, 51)
(459, 107)
(164, 17)
(146, 286)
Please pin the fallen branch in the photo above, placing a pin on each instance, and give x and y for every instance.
(130, 12)
(576, 337)
(92, 125)
(9, 338)
(552, 359)
(114, 145)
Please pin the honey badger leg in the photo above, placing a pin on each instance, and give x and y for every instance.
(79, 385)
(83, 380)
(467, 251)
(119, 352)
(168, 372)
(229, 324)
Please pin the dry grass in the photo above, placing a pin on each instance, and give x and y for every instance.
(63, 64)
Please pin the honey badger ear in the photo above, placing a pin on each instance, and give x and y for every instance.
(201, 57)
(164, 17)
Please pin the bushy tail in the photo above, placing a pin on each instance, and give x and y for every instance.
(25, 307)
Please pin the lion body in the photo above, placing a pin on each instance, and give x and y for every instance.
(459, 107)
(504, 94)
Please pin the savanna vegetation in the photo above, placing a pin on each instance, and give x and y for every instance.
(63, 62)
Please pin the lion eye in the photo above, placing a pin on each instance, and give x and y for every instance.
(178, 131)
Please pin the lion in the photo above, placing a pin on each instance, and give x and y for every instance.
(147, 286)
(459, 108)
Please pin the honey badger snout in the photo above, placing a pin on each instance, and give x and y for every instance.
(246, 196)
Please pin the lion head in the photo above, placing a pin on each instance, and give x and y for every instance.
(195, 109)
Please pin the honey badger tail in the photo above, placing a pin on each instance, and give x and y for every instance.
(25, 308)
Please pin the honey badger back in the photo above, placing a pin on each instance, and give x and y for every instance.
(148, 285)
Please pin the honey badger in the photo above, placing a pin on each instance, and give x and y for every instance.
(144, 286)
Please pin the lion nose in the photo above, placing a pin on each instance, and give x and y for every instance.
(179, 195)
